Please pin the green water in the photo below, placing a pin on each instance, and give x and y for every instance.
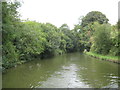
(74, 70)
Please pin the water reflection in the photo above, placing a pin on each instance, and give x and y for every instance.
(73, 70)
(65, 78)
(99, 74)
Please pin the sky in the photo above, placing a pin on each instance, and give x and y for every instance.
(58, 12)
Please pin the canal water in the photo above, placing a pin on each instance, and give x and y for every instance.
(73, 70)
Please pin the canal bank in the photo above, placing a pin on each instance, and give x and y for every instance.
(114, 59)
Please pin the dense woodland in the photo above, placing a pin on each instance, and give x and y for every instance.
(24, 40)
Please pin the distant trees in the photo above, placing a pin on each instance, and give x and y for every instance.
(67, 37)
(94, 16)
(97, 36)
(87, 28)
(53, 39)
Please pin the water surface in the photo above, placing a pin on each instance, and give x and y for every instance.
(74, 70)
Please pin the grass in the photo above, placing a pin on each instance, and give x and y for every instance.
(115, 59)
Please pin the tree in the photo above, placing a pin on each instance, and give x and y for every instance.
(87, 27)
(53, 40)
(10, 22)
(31, 41)
(115, 36)
(94, 16)
(101, 40)
(68, 37)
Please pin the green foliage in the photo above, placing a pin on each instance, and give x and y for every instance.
(65, 38)
(106, 40)
(53, 39)
(9, 22)
(98, 36)
(31, 40)
(115, 46)
(24, 40)
(84, 36)
(94, 16)
(21, 40)
(88, 27)
(102, 42)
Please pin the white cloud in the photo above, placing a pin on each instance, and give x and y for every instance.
(58, 12)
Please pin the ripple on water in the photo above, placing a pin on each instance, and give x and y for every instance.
(66, 68)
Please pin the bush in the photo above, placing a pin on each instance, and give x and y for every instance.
(102, 41)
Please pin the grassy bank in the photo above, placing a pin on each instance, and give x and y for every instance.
(115, 59)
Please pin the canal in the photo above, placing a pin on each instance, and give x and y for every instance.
(73, 70)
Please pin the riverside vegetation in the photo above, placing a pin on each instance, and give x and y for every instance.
(24, 40)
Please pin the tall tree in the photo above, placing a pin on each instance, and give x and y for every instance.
(88, 27)
(9, 29)
(94, 16)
